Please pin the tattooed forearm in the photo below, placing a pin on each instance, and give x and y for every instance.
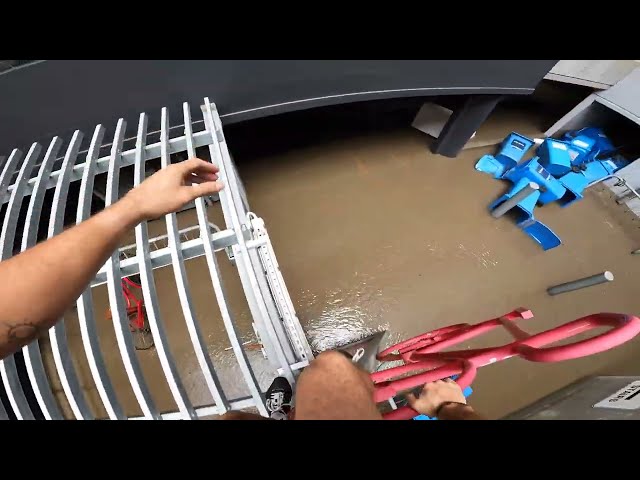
(16, 334)
(19, 334)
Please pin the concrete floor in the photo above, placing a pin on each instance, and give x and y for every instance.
(373, 231)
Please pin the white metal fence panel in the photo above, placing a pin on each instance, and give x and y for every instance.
(275, 322)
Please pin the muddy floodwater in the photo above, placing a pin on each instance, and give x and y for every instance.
(372, 232)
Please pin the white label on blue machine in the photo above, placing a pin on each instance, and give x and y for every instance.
(580, 143)
(627, 398)
(561, 146)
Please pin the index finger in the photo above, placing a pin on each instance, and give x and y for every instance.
(197, 165)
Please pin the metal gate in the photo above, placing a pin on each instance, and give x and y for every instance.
(244, 237)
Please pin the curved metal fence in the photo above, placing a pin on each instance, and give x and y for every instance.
(244, 238)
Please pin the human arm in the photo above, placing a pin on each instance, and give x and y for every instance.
(39, 284)
(443, 399)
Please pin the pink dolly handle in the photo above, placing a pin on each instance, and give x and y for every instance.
(423, 351)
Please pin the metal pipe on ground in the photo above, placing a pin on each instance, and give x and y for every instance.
(585, 282)
(507, 205)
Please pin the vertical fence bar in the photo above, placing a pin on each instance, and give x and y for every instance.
(3, 412)
(271, 333)
(218, 288)
(7, 236)
(278, 288)
(114, 287)
(57, 333)
(147, 280)
(274, 310)
(177, 261)
(228, 209)
(84, 304)
(245, 269)
(268, 298)
(240, 202)
(31, 352)
(8, 369)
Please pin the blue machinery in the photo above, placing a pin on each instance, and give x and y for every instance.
(561, 169)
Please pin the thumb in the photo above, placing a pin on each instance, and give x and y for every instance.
(411, 399)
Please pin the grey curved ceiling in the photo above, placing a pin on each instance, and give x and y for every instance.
(55, 97)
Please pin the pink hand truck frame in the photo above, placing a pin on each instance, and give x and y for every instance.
(424, 352)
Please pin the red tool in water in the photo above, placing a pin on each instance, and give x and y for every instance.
(424, 352)
(135, 306)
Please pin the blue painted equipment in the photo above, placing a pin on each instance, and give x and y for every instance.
(585, 174)
(574, 182)
(532, 171)
(589, 142)
(524, 210)
(562, 169)
(554, 156)
(512, 149)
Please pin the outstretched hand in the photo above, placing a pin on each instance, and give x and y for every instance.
(173, 187)
(38, 270)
